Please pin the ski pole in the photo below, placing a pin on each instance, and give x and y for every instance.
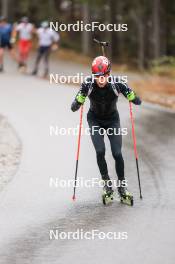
(103, 44)
(78, 152)
(135, 147)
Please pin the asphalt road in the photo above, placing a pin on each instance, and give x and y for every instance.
(30, 207)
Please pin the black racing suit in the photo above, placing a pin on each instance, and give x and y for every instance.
(103, 115)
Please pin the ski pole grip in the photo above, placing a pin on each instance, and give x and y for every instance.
(102, 43)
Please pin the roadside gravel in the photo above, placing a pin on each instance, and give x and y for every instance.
(10, 152)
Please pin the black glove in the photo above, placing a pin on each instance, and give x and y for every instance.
(136, 101)
(75, 105)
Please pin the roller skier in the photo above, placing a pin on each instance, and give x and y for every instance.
(103, 91)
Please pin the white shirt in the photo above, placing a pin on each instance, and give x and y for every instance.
(47, 36)
(25, 30)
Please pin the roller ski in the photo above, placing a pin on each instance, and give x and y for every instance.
(125, 196)
(108, 194)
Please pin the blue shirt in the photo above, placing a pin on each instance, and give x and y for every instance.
(5, 33)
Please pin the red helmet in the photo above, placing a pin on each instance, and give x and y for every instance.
(101, 66)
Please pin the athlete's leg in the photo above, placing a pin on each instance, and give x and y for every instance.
(13, 52)
(1, 58)
(24, 49)
(13, 55)
(46, 60)
(116, 144)
(38, 58)
(21, 48)
(1, 55)
(99, 145)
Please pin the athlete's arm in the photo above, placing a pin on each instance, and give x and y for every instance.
(14, 33)
(56, 37)
(129, 93)
(33, 29)
(55, 41)
(80, 97)
(11, 29)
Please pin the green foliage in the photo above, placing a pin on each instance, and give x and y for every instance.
(163, 66)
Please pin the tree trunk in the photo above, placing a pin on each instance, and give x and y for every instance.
(108, 34)
(5, 8)
(138, 19)
(141, 45)
(156, 29)
(120, 44)
(85, 34)
(113, 21)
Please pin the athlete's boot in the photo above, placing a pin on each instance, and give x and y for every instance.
(125, 196)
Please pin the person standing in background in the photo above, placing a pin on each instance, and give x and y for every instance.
(24, 30)
(48, 40)
(6, 40)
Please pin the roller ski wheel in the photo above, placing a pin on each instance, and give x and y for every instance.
(107, 198)
(126, 197)
(108, 195)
